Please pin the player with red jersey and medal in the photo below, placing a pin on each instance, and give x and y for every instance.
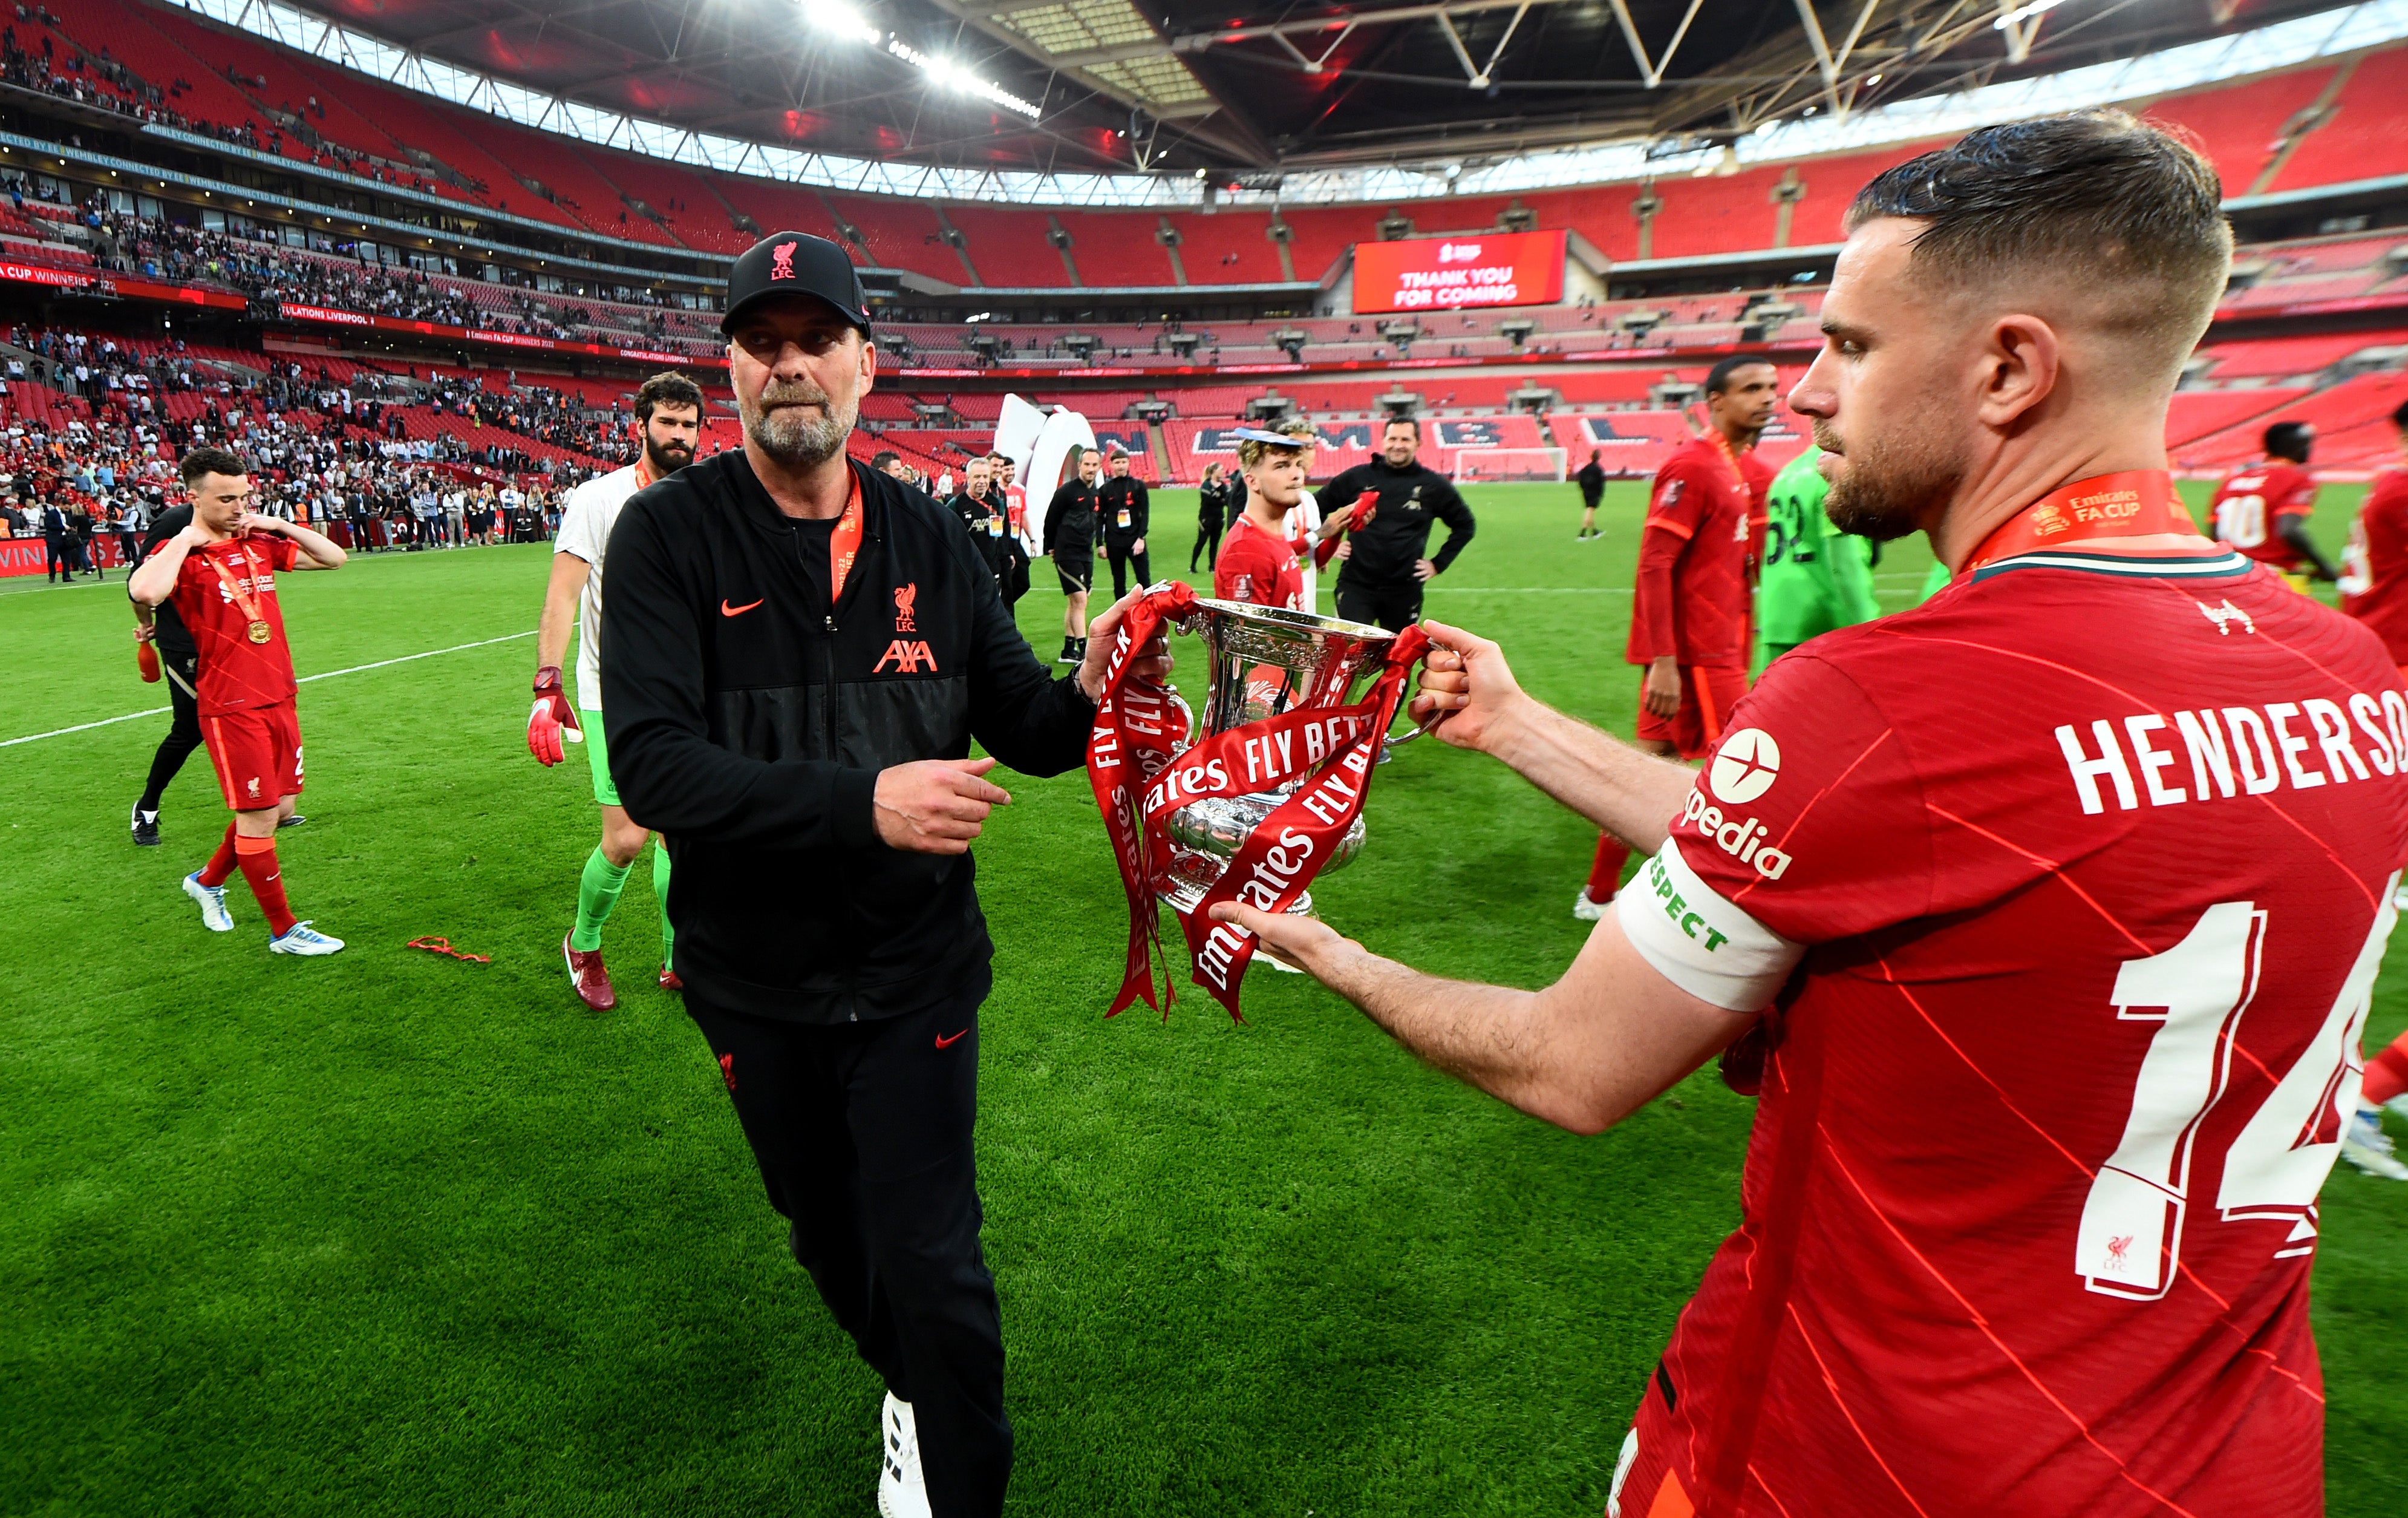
(1689, 613)
(2262, 509)
(2044, 917)
(221, 571)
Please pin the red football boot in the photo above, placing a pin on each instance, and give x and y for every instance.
(585, 972)
(669, 980)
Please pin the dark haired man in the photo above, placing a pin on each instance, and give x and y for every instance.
(1072, 520)
(171, 656)
(1211, 515)
(2029, 1208)
(798, 655)
(1127, 514)
(668, 421)
(2262, 508)
(1591, 480)
(220, 570)
(1387, 508)
(1689, 628)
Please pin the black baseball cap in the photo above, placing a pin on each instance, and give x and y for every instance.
(794, 264)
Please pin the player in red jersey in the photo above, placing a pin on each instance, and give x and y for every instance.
(2374, 590)
(1259, 563)
(1689, 613)
(220, 570)
(2263, 509)
(2044, 917)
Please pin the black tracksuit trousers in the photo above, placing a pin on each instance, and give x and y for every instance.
(183, 735)
(862, 1134)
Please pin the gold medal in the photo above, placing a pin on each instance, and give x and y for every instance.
(259, 632)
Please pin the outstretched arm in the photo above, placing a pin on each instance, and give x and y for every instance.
(1629, 794)
(1583, 1054)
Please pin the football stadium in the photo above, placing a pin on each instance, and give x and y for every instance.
(1725, 843)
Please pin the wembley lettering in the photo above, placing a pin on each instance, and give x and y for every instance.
(2236, 751)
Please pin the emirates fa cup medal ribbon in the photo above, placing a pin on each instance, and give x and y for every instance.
(1253, 800)
(247, 598)
(2130, 503)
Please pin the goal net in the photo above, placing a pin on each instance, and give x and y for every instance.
(1489, 466)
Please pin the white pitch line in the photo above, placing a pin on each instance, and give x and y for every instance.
(132, 716)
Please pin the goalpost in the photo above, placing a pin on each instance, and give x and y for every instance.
(1489, 466)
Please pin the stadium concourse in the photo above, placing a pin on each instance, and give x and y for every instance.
(428, 1226)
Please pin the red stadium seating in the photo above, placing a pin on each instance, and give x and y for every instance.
(778, 207)
(2197, 414)
(2364, 139)
(902, 235)
(1232, 247)
(682, 196)
(1008, 247)
(1117, 248)
(2236, 125)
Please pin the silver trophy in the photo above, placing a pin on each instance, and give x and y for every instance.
(1264, 662)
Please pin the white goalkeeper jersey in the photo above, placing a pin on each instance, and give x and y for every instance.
(586, 518)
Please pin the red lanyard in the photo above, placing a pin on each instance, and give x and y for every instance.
(2130, 503)
(844, 543)
(247, 601)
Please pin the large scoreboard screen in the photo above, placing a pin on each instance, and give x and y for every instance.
(1445, 274)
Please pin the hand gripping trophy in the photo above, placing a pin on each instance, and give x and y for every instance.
(1256, 799)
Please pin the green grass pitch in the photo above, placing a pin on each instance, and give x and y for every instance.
(393, 1232)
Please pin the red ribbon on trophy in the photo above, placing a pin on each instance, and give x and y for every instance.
(1141, 776)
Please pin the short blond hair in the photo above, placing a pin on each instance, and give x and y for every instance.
(1251, 449)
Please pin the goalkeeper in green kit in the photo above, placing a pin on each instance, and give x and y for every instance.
(1816, 577)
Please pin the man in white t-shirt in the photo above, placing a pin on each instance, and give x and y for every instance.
(668, 409)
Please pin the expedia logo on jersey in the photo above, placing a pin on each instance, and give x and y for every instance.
(1744, 768)
(1741, 838)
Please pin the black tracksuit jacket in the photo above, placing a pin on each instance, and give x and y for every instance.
(749, 721)
(1412, 500)
(1114, 497)
(1072, 520)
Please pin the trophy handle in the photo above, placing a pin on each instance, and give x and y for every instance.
(1188, 735)
(1397, 741)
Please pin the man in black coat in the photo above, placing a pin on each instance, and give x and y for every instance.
(1591, 480)
(1387, 508)
(1210, 515)
(797, 656)
(1072, 519)
(1127, 516)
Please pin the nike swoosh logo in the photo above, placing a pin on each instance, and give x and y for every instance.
(943, 1042)
(726, 610)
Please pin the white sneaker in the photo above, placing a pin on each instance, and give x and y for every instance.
(301, 939)
(212, 899)
(2364, 1144)
(1587, 910)
(901, 1493)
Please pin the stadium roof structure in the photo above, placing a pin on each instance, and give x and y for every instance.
(1099, 101)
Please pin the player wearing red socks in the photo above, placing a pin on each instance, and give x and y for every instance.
(1689, 611)
(220, 573)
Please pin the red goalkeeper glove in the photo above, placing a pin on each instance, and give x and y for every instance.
(552, 718)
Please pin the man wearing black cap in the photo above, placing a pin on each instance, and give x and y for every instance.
(797, 656)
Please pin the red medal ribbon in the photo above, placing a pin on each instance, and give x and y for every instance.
(246, 602)
(1139, 780)
(844, 543)
(2130, 503)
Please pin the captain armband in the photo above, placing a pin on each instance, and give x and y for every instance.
(1699, 941)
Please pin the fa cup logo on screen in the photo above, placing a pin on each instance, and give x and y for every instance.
(1458, 252)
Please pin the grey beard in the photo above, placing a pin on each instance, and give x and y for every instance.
(796, 440)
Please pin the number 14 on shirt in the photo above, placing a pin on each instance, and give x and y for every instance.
(2129, 1240)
